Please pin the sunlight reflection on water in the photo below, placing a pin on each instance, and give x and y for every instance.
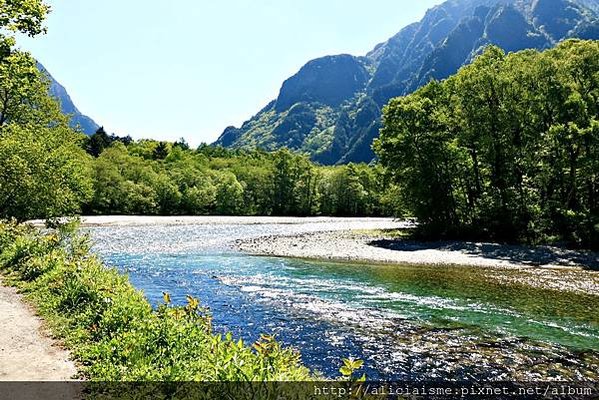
(402, 328)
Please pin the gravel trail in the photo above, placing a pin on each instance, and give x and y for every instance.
(27, 353)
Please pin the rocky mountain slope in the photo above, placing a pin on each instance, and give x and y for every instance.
(331, 108)
(78, 120)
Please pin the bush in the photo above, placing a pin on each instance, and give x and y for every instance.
(114, 332)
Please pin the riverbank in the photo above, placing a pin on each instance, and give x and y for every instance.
(27, 353)
(541, 266)
(382, 247)
(325, 223)
(111, 329)
(401, 320)
(407, 322)
(358, 239)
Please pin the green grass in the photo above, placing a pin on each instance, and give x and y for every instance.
(401, 233)
(111, 329)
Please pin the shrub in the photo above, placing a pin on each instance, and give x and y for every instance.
(113, 331)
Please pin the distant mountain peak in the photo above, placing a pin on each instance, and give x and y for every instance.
(331, 107)
(329, 80)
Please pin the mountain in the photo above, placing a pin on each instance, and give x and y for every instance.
(331, 108)
(78, 120)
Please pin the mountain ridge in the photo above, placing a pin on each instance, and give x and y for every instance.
(78, 119)
(331, 107)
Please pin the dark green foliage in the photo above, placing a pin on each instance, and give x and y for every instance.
(24, 16)
(44, 173)
(297, 124)
(507, 149)
(354, 189)
(293, 184)
(161, 151)
(181, 143)
(98, 142)
(211, 180)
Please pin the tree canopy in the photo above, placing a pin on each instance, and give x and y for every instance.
(506, 149)
(131, 179)
(24, 16)
(44, 172)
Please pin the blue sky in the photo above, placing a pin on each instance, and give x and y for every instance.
(188, 68)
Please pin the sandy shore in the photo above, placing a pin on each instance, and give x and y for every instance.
(366, 247)
(540, 267)
(27, 353)
(355, 239)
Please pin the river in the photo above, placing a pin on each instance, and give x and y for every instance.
(406, 322)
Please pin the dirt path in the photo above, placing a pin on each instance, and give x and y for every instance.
(26, 352)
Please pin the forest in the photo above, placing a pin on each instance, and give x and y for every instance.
(506, 150)
(48, 169)
(105, 174)
(151, 177)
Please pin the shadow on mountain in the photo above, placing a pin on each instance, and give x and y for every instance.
(341, 96)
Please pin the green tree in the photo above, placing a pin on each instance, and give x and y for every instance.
(24, 16)
(257, 181)
(294, 184)
(416, 146)
(43, 173)
(126, 184)
(168, 195)
(98, 142)
(505, 149)
(199, 200)
(182, 144)
(161, 151)
(283, 201)
(24, 98)
(229, 194)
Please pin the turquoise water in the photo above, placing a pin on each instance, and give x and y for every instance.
(406, 322)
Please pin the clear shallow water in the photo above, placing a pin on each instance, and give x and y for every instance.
(406, 322)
